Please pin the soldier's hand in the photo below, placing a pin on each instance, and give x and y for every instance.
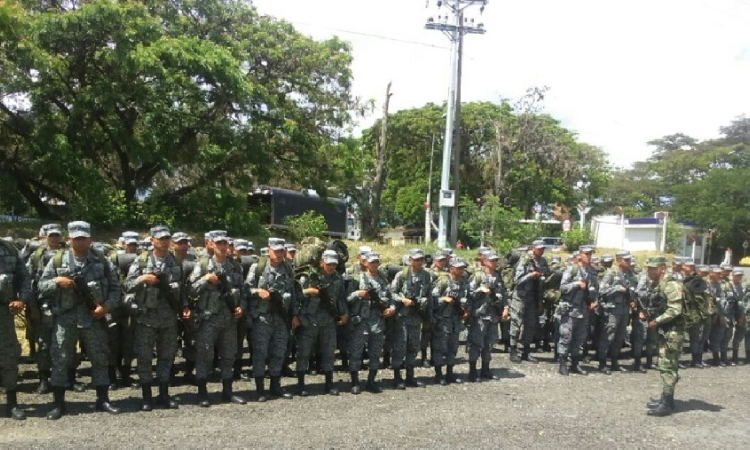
(593, 306)
(389, 312)
(362, 293)
(211, 278)
(581, 284)
(295, 322)
(65, 282)
(311, 291)
(186, 313)
(506, 314)
(407, 301)
(99, 312)
(632, 305)
(343, 319)
(652, 324)
(237, 312)
(263, 294)
(16, 306)
(149, 278)
(484, 289)
(536, 274)
(642, 315)
(447, 299)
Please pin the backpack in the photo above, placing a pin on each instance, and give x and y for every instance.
(309, 252)
(10, 247)
(696, 301)
(260, 266)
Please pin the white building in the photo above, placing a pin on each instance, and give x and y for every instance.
(642, 234)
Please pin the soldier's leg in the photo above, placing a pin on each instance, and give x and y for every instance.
(32, 332)
(375, 347)
(114, 339)
(412, 344)
(490, 337)
(63, 353)
(166, 350)
(400, 336)
(357, 339)
(580, 335)
(307, 338)
(10, 351)
(145, 339)
(669, 353)
(278, 346)
(565, 339)
(128, 351)
(439, 348)
(241, 333)
(696, 345)
(530, 322)
(425, 340)
(390, 329)
(516, 321)
(205, 339)
(618, 340)
(227, 347)
(717, 334)
(475, 340)
(726, 338)
(606, 337)
(739, 335)
(453, 344)
(95, 340)
(262, 337)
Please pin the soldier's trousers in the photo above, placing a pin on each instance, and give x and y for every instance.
(244, 331)
(696, 334)
(325, 337)
(121, 342)
(720, 336)
(63, 350)
(32, 327)
(188, 339)
(219, 333)
(612, 334)
(270, 340)
(426, 335)
(406, 342)
(524, 319)
(165, 339)
(670, 348)
(642, 335)
(481, 339)
(445, 342)
(10, 350)
(366, 333)
(43, 344)
(388, 335)
(741, 333)
(573, 334)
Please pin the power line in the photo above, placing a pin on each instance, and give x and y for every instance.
(376, 36)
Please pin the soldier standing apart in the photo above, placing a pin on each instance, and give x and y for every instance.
(487, 305)
(155, 279)
(723, 319)
(370, 302)
(527, 301)
(186, 259)
(81, 287)
(449, 298)
(617, 296)
(15, 293)
(740, 328)
(439, 269)
(667, 294)
(579, 293)
(412, 288)
(272, 302)
(218, 290)
(317, 312)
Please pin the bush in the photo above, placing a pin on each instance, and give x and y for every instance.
(309, 224)
(575, 238)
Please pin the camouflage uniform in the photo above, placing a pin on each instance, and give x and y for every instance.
(15, 284)
(121, 330)
(574, 313)
(484, 311)
(740, 327)
(446, 320)
(616, 291)
(417, 287)
(525, 304)
(426, 333)
(721, 333)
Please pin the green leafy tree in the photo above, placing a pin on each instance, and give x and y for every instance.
(306, 225)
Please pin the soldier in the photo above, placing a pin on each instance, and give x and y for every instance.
(527, 301)
(449, 298)
(723, 321)
(488, 303)
(667, 294)
(220, 301)
(740, 329)
(551, 298)
(370, 302)
(273, 298)
(734, 306)
(439, 269)
(698, 334)
(15, 293)
(317, 313)
(412, 288)
(154, 283)
(675, 272)
(291, 251)
(81, 287)
(186, 259)
(35, 267)
(579, 294)
(121, 330)
(350, 274)
(642, 335)
(618, 294)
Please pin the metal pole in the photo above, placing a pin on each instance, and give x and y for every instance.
(428, 206)
(664, 234)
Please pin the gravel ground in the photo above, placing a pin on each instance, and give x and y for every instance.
(530, 406)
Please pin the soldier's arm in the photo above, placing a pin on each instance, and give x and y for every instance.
(673, 291)
(22, 281)
(197, 282)
(521, 276)
(47, 284)
(396, 287)
(568, 284)
(113, 286)
(352, 295)
(132, 282)
(608, 287)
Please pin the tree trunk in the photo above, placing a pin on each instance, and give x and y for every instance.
(381, 172)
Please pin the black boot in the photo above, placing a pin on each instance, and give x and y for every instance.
(650, 362)
(473, 376)
(451, 377)
(398, 381)
(237, 370)
(127, 378)
(617, 367)
(112, 370)
(715, 361)
(227, 393)
(514, 358)
(526, 355)
(637, 366)
(189, 377)
(43, 383)
(735, 358)
(277, 390)
(202, 393)
(563, 369)
(724, 361)
(704, 364)
(603, 367)
(330, 389)
(694, 361)
(11, 408)
(344, 361)
(664, 408)
(372, 385)
(260, 389)
(148, 402)
(747, 356)
(164, 400)
(58, 411)
(301, 387)
(411, 380)
(73, 384)
(439, 378)
(356, 390)
(102, 401)
(425, 361)
(386, 360)
(575, 367)
(486, 373)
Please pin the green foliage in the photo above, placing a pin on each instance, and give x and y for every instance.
(499, 225)
(675, 237)
(308, 224)
(575, 238)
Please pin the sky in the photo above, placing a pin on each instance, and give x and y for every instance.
(619, 73)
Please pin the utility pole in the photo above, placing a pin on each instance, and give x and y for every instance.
(451, 25)
(428, 209)
(457, 140)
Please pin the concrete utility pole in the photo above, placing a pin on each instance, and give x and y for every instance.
(451, 25)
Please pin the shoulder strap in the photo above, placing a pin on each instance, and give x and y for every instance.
(11, 248)
(204, 264)
(142, 260)
(260, 266)
(36, 258)
(57, 259)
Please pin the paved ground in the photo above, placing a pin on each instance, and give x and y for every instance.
(531, 406)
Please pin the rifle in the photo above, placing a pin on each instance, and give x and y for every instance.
(410, 294)
(323, 294)
(277, 300)
(84, 290)
(226, 291)
(166, 291)
(456, 303)
(376, 300)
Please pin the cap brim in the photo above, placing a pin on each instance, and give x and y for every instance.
(331, 260)
(163, 234)
(77, 234)
(276, 247)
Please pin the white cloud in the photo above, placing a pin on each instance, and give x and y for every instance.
(621, 72)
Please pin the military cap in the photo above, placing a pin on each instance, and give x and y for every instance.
(240, 244)
(447, 250)
(416, 253)
(716, 269)
(482, 250)
(331, 257)
(622, 254)
(290, 247)
(656, 261)
(688, 262)
(180, 236)
(556, 259)
(458, 262)
(52, 228)
(633, 259)
(230, 241)
(276, 244)
(491, 255)
(218, 236)
(264, 251)
(726, 267)
(737, 271)
(250, 245)
(79, 229)
(570, 257)
(207, 236)
(702, 268)
(364, 249)
(372, 256)
(43, 231)
(538, 244)
(160, 231)
(586, 249)
(440, 255)
(607, 258)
